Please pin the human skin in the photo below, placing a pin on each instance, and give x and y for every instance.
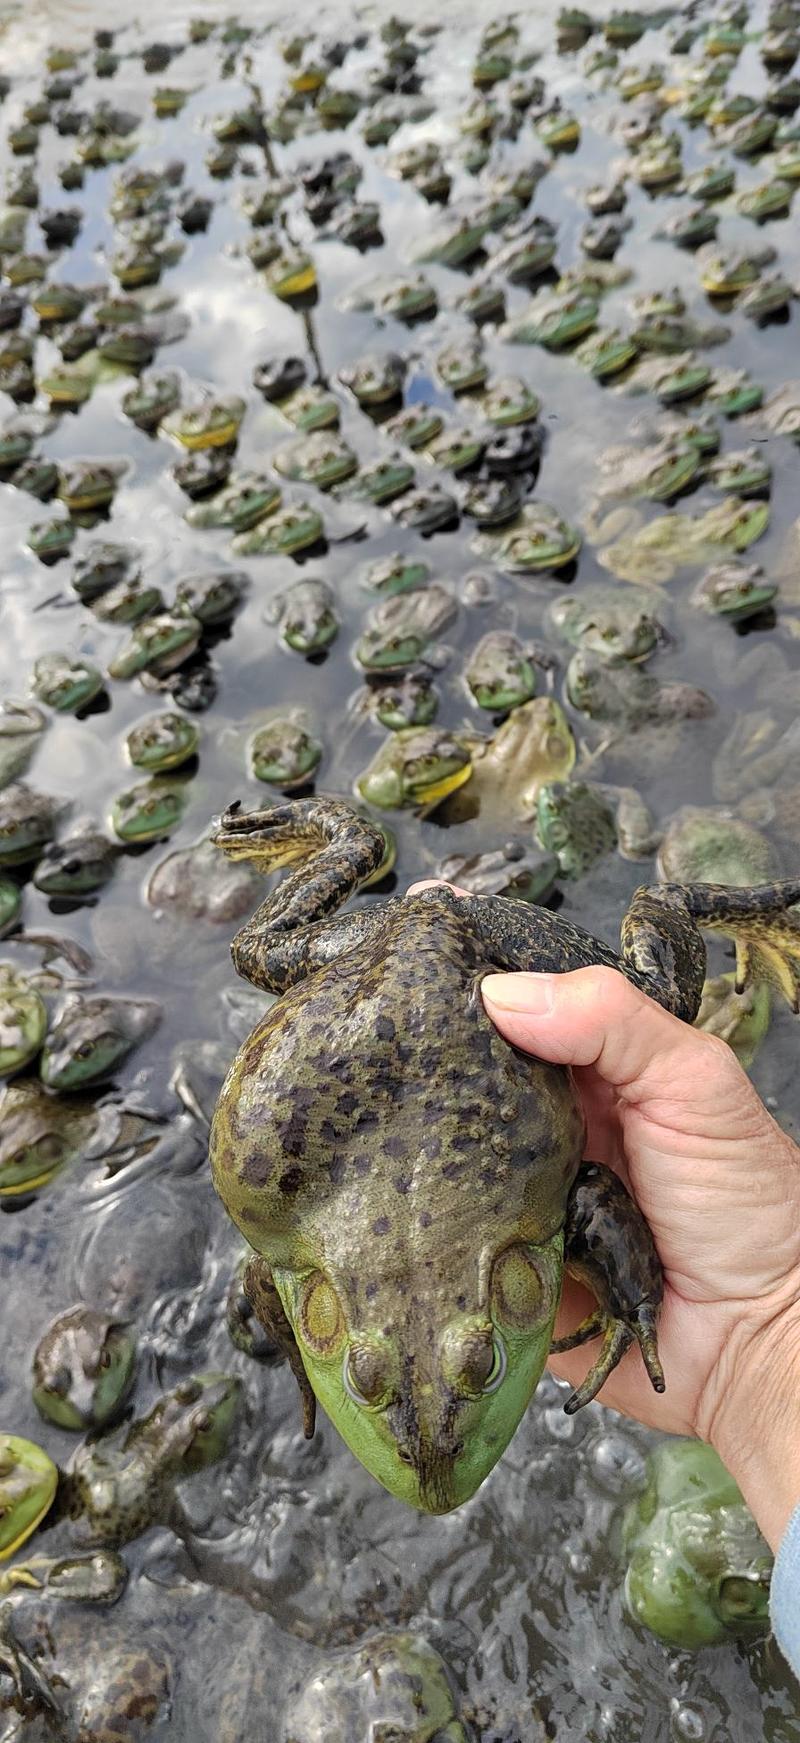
(671, 1110)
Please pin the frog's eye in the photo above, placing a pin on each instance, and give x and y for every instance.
(497, 1372)
(741, 1597)
(365, 1377)
(321, 1319)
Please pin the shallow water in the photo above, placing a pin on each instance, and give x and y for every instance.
(288, 1550)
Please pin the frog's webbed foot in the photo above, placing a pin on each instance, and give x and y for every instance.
(663, 952)
(609, 1247)
(277, 946)
(268, 1308)
(770, 952)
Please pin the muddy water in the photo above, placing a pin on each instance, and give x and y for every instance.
(288, 1551)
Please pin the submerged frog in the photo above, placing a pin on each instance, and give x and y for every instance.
(401, 628)
(92, 1036)
(580, 822)
(114, 1488)
(424, 1335)
(83, 1368)
(699, 1569)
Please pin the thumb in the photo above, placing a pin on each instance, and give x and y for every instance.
(595, 1017)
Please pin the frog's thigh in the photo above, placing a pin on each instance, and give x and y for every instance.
(609, 1247)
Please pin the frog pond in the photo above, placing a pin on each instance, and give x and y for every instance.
(404, 409)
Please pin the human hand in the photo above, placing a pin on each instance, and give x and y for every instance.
(671, 1110)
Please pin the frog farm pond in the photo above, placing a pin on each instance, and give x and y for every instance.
(398, 465)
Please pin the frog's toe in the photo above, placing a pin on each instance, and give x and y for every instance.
(590, 1327)
(618, 1336)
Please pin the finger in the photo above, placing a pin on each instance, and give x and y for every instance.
(595, 1017)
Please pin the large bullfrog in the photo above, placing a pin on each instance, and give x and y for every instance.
(412, 1186)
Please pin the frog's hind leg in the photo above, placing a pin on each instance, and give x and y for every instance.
(609, 1247)
(259, 1287)
(290, 934)
(663, 952)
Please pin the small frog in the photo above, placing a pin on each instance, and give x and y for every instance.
(284, 753)
(400, 628)
(83, 1369)
(162, 742)
(306, 614)
(92, 1036)
(148, 812)
(416, 767)
(698, 1570)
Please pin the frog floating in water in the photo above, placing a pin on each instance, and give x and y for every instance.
(351, 1134)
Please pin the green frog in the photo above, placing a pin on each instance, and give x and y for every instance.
(211, 423)
(581, 821)
(158, 644)
(76, 866)
(162, 742)
(712, 846)
(398, 572)
(734, 591)
(539, 539)
(410, 699)
(321, 458)
(23, 1021)
(39, 1134)
(698, 1570)
(306, 614)
(27, 822)
(376, 379)
(28, 1479)
(52, 539)
(416, 767)
(148, 811)
(500, 673)
(290, 529)
(85, 486)
(381, 481)
(155, 395)
(64, 684)
(284, 752)
(116, 1487)
(247, 498)
(618, 625)
(21, 727)
(83, 1369)
(627, 695)
(11, 900)
(394, 1685)
(416, 425)
(92, 1036)
(344, 1155)
(400, 628)
(212, 596)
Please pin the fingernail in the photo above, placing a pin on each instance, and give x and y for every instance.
(533, 993)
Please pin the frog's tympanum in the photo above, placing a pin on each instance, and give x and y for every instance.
(375, 1105)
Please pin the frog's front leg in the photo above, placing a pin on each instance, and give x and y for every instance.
(663, 951)
(335, 851)
(259, 1287)
(609, 1247)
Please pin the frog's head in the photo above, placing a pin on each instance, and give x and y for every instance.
(191, 1425)
(28, 1481)
(429, 1395)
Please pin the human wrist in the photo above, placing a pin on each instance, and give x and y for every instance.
(752, 1415)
